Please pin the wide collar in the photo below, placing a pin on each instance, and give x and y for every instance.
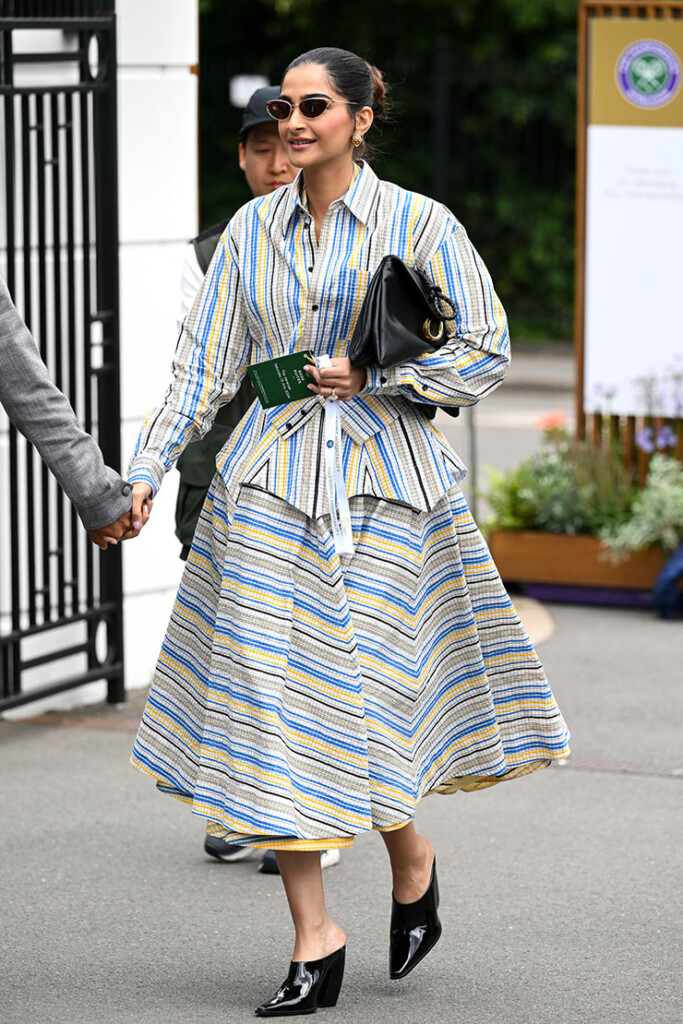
(360, 198)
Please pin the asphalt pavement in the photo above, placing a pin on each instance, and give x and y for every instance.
(561, 893)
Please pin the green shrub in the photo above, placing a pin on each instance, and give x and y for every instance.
(567, 487)
(656, 515)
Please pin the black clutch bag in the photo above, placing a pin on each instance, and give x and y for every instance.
(402, 317)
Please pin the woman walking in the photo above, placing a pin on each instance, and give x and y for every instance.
(315, 682)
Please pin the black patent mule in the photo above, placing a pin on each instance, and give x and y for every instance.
(309, 984)
(415, 929)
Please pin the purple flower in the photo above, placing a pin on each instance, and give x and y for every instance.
(644, 440)
(666, 438)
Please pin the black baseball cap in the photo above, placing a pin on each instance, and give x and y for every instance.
(255, 111)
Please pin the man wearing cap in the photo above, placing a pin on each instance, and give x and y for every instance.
(266, 167)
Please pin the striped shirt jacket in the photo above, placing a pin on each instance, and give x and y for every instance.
(272, 288)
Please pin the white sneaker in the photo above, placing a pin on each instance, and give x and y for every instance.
(328, 858)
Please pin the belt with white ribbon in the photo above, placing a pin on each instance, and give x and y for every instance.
(337, 498)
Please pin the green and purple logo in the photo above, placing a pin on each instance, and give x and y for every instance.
(648, 74)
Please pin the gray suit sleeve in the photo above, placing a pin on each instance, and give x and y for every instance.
(43, 414)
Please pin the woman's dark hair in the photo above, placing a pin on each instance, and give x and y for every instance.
(361, 84)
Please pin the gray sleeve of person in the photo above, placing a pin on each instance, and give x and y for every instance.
(43, 415)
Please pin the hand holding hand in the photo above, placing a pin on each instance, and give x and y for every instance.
(340, 377)
(127, 526)
(113, 533)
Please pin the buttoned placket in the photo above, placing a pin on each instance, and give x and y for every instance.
(335, 484)
(312, 302)
(312, 262)
(314, 266)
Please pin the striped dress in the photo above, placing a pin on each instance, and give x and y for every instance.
(302, 697)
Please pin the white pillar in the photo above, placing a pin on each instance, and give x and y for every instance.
(158, 213)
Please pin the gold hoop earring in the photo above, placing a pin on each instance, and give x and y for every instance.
(357, 140)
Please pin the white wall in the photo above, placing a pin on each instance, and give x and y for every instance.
(158, 213)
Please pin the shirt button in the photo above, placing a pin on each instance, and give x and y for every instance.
(307, 223)
(310, 270)
(383, 380)
(288, 426)
(314, 308)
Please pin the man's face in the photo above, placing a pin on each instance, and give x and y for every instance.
(263, 160)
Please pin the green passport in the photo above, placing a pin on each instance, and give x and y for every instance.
(282, 380)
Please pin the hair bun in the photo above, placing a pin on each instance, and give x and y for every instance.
(379, 91)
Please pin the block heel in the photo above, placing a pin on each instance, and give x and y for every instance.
(330, 986)
(309, 984)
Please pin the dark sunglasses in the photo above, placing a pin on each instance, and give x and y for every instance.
(309, 108)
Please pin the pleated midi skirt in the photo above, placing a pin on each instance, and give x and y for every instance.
(301, 699)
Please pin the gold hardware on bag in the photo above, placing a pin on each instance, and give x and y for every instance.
(427, 330)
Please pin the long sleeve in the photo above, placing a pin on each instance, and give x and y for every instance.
(210, 362)
(43, 415)
(474, 360)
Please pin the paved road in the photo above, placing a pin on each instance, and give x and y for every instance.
(561, 893)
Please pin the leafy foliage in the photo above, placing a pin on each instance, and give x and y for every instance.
(567, 487)
(499, 152)
(657, 513)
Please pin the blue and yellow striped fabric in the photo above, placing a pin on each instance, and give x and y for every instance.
(301, 699)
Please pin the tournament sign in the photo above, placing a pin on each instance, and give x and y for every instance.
(632, 325)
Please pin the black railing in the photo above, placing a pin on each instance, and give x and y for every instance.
(60, 604)
(62, 9)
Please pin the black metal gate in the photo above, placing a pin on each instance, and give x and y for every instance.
(60, 602)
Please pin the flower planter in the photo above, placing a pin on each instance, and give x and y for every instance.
(529, 556)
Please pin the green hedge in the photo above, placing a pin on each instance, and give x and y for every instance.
(510, 117)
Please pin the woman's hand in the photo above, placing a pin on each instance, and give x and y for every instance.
(142, 507)
(339, 378)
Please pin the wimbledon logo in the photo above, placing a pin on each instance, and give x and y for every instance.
(648, 74)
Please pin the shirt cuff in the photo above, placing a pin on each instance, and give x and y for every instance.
(144, 473)
(382, 382)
